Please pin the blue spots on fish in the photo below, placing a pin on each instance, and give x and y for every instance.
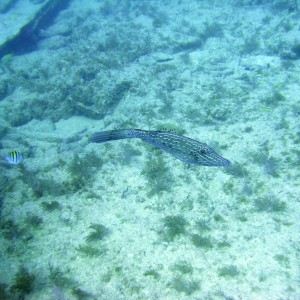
(183, 148)
(13, 158)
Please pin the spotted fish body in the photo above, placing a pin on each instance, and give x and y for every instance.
(181, 147)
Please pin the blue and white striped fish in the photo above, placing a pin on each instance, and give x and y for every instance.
(181, 147)
(13, 158)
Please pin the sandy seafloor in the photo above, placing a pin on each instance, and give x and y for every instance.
(224, 74)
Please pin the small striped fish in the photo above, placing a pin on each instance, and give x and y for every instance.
(13, 158)
(181, 147)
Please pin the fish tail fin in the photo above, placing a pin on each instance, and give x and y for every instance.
(111, 135)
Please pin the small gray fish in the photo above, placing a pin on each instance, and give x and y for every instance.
(181, 147)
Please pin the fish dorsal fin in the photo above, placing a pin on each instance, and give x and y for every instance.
(172, 128)
(167, 130)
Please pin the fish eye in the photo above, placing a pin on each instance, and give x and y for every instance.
(203, 151)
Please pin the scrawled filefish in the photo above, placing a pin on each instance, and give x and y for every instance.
(181, 147)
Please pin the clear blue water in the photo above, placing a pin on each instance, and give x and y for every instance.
(123, 220)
